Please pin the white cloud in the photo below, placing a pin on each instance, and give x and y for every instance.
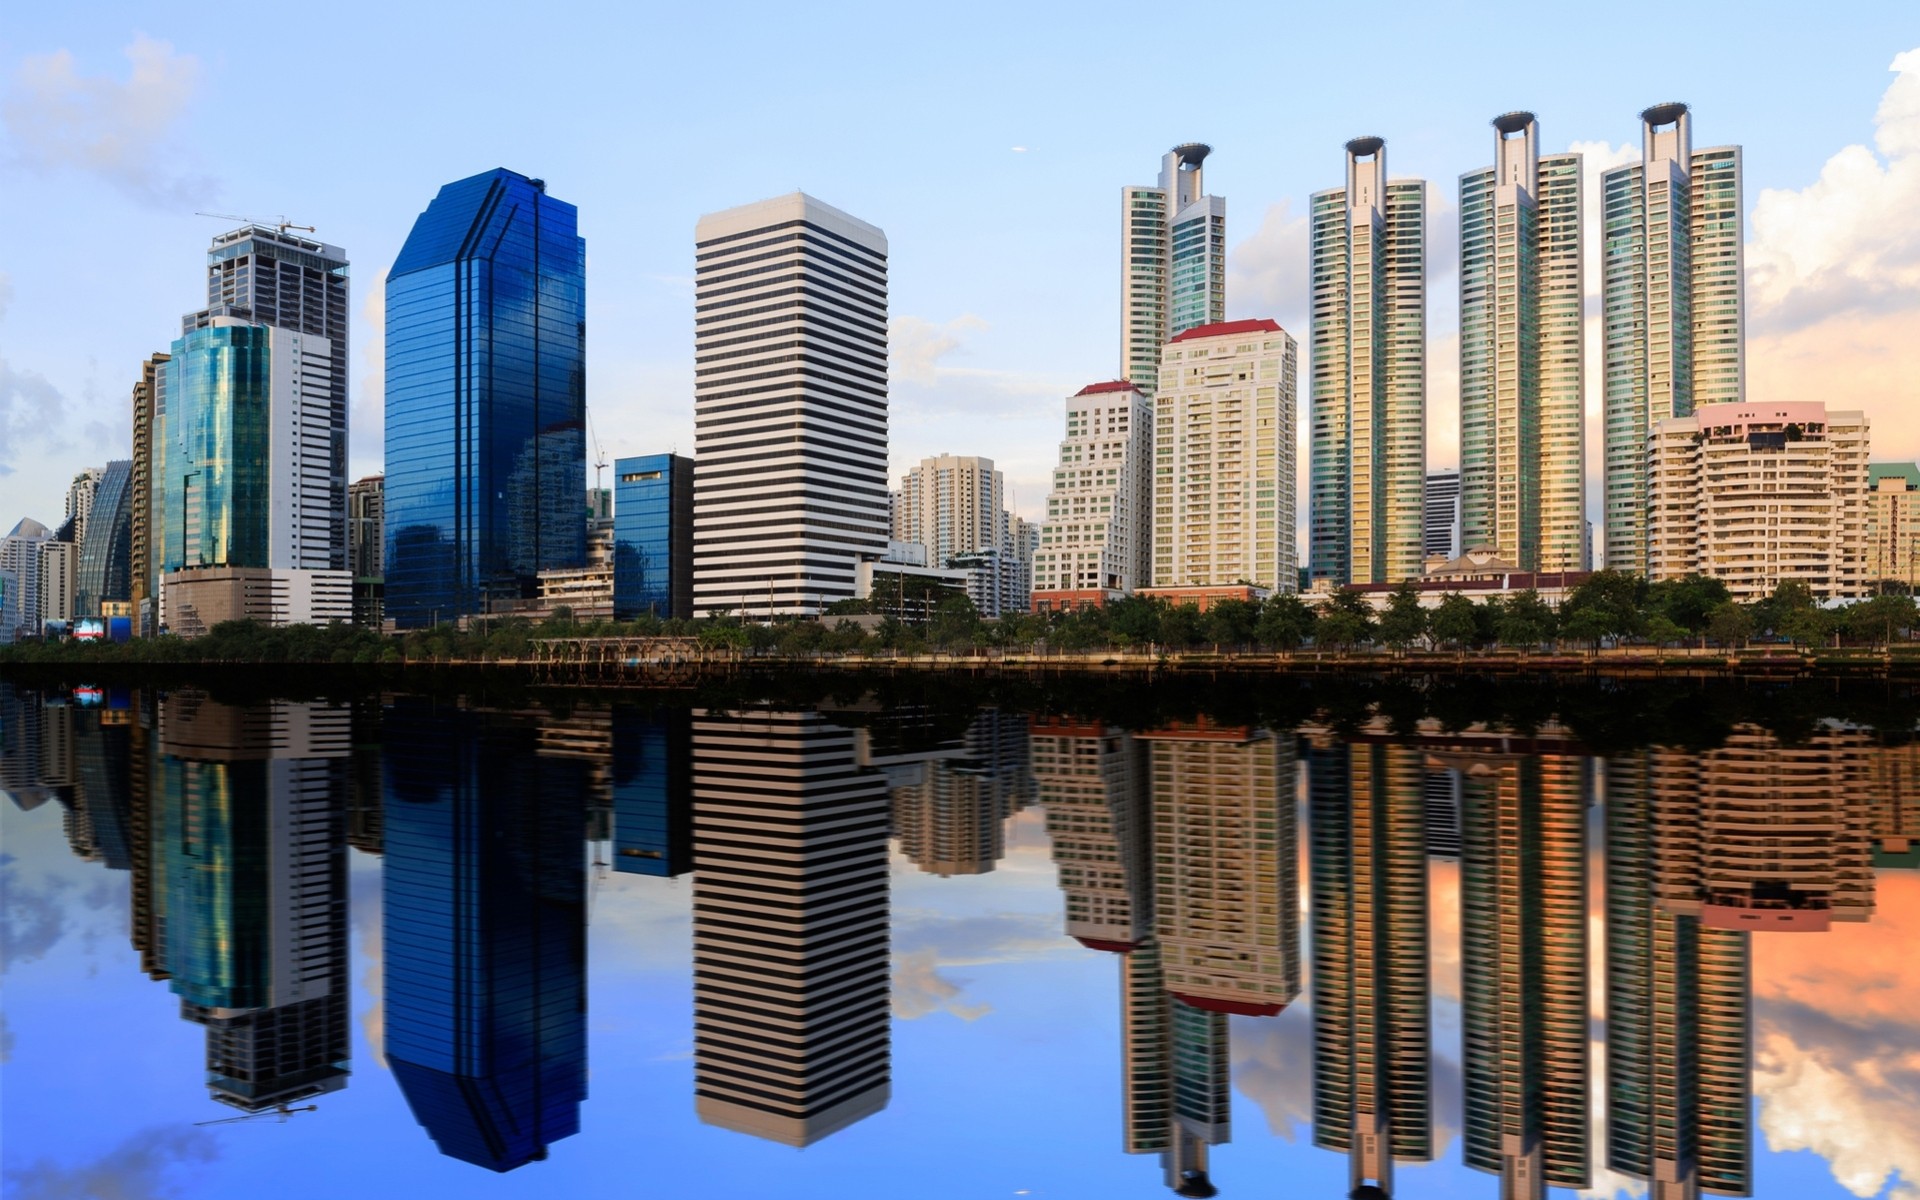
(117, 129)
(918, 345)
(1267, 273)
(151, 1163)
(919, 989)
(1847, 1116)
(1850, 241)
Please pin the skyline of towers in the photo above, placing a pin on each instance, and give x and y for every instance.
(1522, 408)
(792, 1033)
(1224, 488)
(1672, 275)
(1369, 430)
(790, 348)
(1173, 244)
(485, 399)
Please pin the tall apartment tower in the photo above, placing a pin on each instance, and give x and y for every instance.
(1522, 446)
(1372, 1082)
(148, 391)
(1173, 262)
(1440, 537)
(486, 400)
(1096, 544)
(790, 941)
(1675, 310)
(953, 504)
(1523, 954)
(790, 406)
(1369, 373)
(266, 276)
(1223, 427)
(1679, 1019)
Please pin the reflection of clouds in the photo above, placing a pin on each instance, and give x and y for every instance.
(1835, 1067)
(6, 1040)
(364, 884)
(919, 989)
(1273, 1067)
(32, 916)
(981, 940)
(150, 1164)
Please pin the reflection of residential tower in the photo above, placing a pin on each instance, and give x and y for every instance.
(1896, 805)
(950, 809)
(1759, 834)
(485, 932)
(1090, 780)
(790, 937)
(1372, 1088)
(251, 823)
(1523, 954)
(1679, 1020)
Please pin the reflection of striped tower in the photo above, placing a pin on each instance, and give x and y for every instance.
(1679, 1021)
(1372, 1087)
(1226, 886)
(1523, 956)
(1756, 834)
(790, 938)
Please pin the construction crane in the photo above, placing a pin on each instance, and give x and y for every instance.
(281, 1111)
(282, 224)
(599, 455)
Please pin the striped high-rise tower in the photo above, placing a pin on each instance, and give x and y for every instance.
(1369, 373)
(1675, 306)
(1522, 443)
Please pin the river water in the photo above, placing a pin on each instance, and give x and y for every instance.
(941, 942)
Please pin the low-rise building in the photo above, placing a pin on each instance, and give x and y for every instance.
(1758, 494)
(192, 602)
(1893, 523)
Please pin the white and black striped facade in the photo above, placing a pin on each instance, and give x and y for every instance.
(790, 406)
(791, 944)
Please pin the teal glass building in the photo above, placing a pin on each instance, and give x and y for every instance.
(485, 399)
(653, 537)
(211, 463)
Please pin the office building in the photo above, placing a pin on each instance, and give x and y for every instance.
(1369, 430)
(104, 565)
(1523, 967)
(251, 831)
(1679, 1019)
(58, 579)
(1522, 440)
(144, 537)
(1173, 255)
(790, 406)
(20, 579)
(270, 277)
(486, 400)
(484, 911)
(1440, 530)
(1758, 494)
(1893, 523)
(366, 524)
(1372, 1033)
(1096, 543)
(1227, 873)
(1675, 311)
(1223, 427)
(1760, 834)
(792, 1037)
(653, 537)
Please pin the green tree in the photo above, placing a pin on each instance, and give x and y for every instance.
(1618, 599)
(1730, 624)
(1689, 601)
(1180, 626)
(1346, 620)
(1660, 629)
(1134, 620)
(1404, 622)
(955, 621)
(1229, 622)
(1452, 623)
(1285, 622)
(1881, 619)
(1525, 620)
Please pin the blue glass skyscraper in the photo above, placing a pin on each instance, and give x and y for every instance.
(486, 399)
(653, 537)
(485, 926)
(106, 554)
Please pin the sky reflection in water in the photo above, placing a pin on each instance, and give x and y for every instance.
(878, 950)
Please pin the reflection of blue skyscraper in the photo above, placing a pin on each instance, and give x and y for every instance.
(652, 794)
(653, 537)
(486, 399)
(485, 934)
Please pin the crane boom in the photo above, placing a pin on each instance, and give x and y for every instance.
(281, 223)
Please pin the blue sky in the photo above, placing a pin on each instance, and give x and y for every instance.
(990, 143)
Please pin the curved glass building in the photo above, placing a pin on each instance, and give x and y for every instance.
(106, 552)
(486, 399)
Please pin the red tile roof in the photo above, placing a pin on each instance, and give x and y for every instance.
(1240, 1008)
(1229, 328)
(1118, 385)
